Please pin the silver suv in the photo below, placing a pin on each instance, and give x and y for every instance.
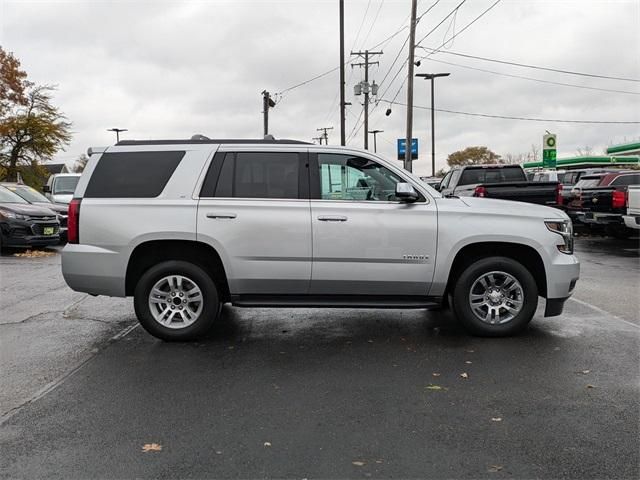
(185, 226)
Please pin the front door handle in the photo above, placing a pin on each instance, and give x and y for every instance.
(332, 218)
(221, 215)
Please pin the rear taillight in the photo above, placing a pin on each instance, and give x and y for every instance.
(73, 221)
(480, 192)
(618, 199)
(559, 194)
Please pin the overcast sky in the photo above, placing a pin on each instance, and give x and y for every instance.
(169, 69)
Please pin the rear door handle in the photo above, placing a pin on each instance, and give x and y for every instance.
(221, 215)
(332, 218)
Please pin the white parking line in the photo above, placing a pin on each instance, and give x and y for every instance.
(604, 312)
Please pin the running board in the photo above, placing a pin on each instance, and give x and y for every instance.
(337, 301)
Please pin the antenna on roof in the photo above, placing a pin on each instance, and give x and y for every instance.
(198, 136)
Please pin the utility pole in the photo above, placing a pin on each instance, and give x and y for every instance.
(432, 77)
(343, 139)
(117, 130)
(318, 139)
(324, 135)
(375, 143)
(267, 103)
(364, 87)
(412, 48)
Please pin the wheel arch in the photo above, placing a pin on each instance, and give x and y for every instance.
(149, 253)
(524, 254)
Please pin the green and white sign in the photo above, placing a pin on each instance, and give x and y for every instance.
(549, 151)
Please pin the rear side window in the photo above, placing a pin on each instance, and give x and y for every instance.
(256, 175)
(625, 180)
(132, 174)
(472, 176)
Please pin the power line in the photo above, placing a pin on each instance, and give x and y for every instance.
(533, 79)
(507, 117)
(466, 26)
(375, 19)
(524, 65)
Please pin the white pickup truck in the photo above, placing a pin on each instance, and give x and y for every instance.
(184, 226)
(632, 218)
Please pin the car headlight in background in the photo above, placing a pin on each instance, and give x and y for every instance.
(564, 228)
(8, 214)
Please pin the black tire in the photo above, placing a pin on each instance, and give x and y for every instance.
(464, 284)
(196, 275)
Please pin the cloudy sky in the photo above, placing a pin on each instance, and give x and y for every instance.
(169, 69)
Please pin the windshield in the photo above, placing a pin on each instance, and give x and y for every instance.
(28, 193)
(65, 185)
(7, 196)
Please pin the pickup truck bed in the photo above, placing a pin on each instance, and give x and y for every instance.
(541, 193)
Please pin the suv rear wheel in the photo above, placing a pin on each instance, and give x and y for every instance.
(495, 296)
(176, 301)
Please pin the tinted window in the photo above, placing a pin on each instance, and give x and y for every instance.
(472, 176)
(627, 180)
(132, 174)
(259, 175)
(65, 185)
(345, 177)
(455, 175)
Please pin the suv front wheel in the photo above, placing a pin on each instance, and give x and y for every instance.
(176, 301)
(495, 296)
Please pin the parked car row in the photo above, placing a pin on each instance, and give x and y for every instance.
(601, 200)
(30, 219)
(25, 224)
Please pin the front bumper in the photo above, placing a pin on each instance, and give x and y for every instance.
(25, 234)
(562, 276)
(632, 221)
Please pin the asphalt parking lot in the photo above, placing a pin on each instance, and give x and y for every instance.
(315, 393)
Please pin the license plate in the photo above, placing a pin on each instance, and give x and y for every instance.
(49, 230)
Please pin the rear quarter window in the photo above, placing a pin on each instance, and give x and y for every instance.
(132, 174)
(625, 180)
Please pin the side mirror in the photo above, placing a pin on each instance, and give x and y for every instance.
(438, 186)
(46, 189)
(406, 193)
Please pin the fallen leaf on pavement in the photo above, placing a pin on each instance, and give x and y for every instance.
(468, 362)
(34, 254)
(433, 387)
(590, 386)
(378, 461)
(464, 375)
(358, 463)
(495, 468)
(496, 419)
(469, 351)
(267, 444)
(584, 372)
(151, 447)
(435, 374)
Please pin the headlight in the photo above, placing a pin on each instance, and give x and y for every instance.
(564, 228)
(8, 214)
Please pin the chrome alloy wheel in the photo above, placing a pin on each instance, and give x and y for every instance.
(175, 301)
(496, 297)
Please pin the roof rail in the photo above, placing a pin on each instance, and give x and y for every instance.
(211, 141)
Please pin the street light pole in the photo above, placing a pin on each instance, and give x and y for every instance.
(432, 77)
(375, 143)
(117, 130)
